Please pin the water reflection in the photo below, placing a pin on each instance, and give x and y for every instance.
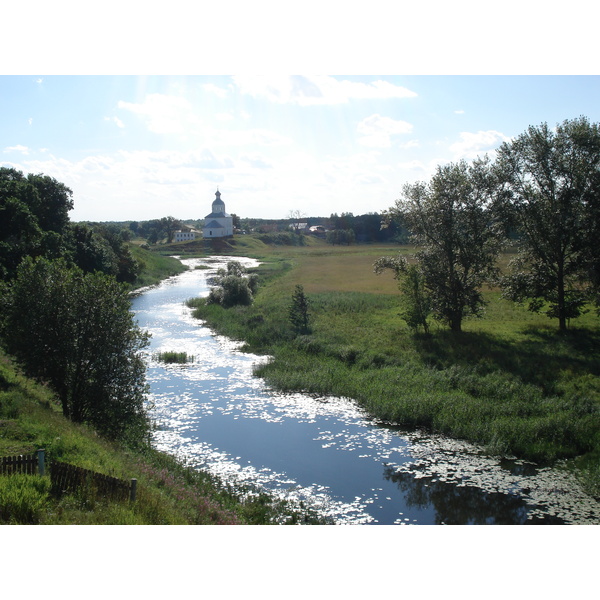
(461, 504)
(325, 452)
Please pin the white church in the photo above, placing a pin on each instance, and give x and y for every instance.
(218, 223)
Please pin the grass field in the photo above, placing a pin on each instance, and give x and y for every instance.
(509, 381)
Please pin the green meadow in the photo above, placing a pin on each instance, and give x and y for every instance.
(510, 381)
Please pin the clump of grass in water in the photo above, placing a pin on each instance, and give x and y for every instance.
(174, 357)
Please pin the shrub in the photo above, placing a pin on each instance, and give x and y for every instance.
(298, 310)
(233, 287)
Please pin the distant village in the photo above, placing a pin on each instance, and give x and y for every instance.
(218, 223)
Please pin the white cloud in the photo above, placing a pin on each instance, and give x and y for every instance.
(321, 89)
(376, 131)
(413, 165)
(473, 144)
(164, 114)
(215, 89)
(459, 112)
(409, 144)
(18, 148)
(116, 121)
(257, 161)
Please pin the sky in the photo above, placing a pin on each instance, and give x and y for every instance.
(135, 115)
(145, 147)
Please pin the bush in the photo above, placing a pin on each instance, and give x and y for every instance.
(233, 287)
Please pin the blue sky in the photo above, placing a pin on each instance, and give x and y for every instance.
(150, 146)
(147, 146)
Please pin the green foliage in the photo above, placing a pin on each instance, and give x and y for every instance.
(75, 331)
(341, 236)
(174, 357)
(22, 498)
(551, 195)
(153, 266)
(282, 238)
(460, 237)
(232, 287)
(33, 218)
(298, 311)
(415, 302)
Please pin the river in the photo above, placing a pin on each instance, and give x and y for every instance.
(325, 452)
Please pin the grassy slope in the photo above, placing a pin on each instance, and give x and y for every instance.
(155, 267)
(510, 381)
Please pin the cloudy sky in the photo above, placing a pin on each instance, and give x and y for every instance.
(143, 147)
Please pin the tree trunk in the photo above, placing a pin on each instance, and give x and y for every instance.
(562, 319)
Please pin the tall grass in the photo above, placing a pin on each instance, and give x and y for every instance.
(171, 357)
(510, 381)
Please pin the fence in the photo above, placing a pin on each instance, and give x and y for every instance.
(69, 478)
(19, 464)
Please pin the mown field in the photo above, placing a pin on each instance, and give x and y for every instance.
(509, 381)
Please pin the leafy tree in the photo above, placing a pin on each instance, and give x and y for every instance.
(20, 235)
(451, 220)
(298, 310)
(90, 251)
(340, 236)
(551, 181)
(51, 204)
(34, 218)
(74, 331)
(103, 248)
(415, 301)
(232, 286)
(170, 225)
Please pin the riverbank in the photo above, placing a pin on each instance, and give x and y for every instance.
(168, 492)
(510, 381)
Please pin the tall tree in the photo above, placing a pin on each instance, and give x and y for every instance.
(34, 218)
(451, 220)
(551, 181)
(170, 225)
(74, 331)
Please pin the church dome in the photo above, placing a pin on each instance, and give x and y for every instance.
(217, 199)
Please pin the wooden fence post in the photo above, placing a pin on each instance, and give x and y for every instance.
(133, 490)
(41, 461)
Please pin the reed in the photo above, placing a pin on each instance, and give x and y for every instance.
(171, 357)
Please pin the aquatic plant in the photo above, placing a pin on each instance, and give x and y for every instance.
(171, 357)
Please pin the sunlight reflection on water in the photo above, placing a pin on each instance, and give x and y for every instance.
(324, 452)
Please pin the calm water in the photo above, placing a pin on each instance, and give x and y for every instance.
(325, 451)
